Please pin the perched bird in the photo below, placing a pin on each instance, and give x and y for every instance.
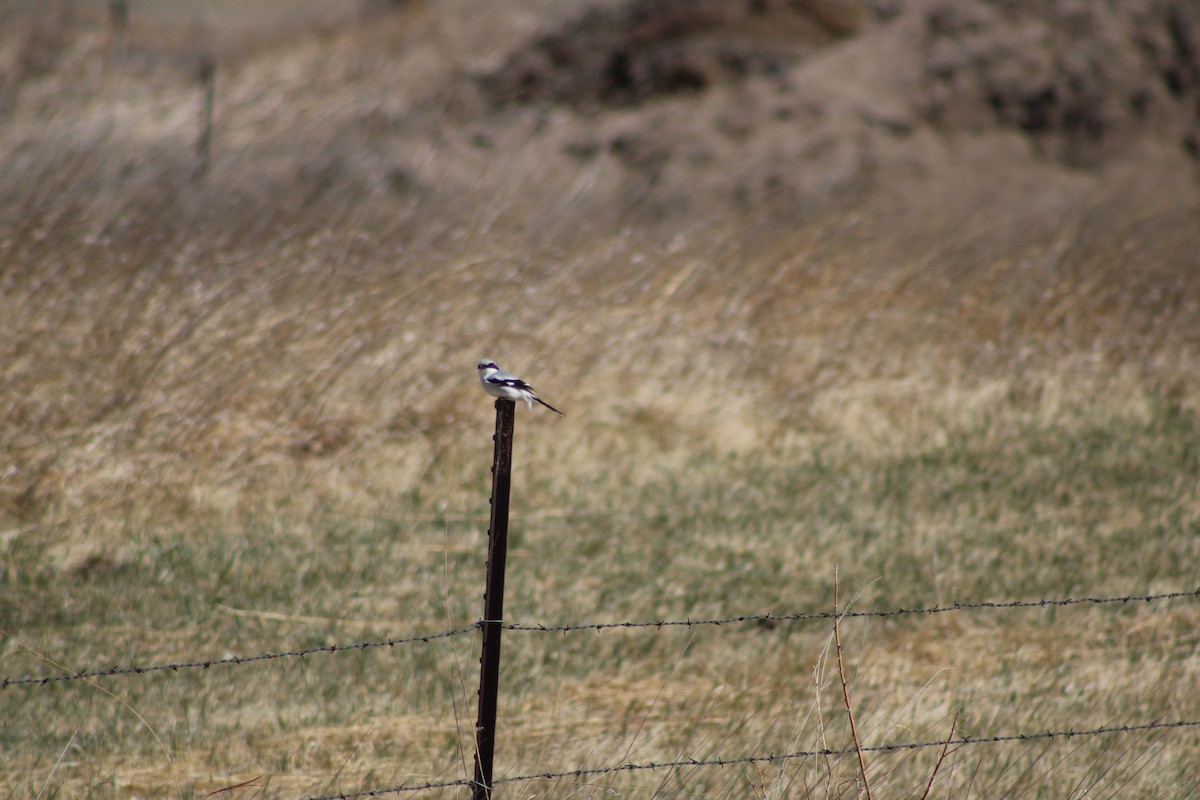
(499, 383)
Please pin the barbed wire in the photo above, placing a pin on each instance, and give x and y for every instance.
(726, 762)
(333, 648)
(596, 626)
(825, 615)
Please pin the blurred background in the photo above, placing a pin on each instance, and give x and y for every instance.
(718, 222)
(771, 256)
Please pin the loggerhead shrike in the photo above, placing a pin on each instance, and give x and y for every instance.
(499, 383)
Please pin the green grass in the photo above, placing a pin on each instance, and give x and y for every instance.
(1009, 509)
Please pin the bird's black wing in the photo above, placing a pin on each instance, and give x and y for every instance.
(513, 383)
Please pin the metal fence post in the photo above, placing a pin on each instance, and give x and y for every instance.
(206, 75)
(493, 601)
(118, 15)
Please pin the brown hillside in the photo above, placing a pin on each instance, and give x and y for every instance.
(757, 220)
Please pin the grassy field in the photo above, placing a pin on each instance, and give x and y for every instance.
(800, 329)
(1011, 508)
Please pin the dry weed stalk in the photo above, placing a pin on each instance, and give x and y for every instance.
(252, 782)
(941, 756)
(837, 639)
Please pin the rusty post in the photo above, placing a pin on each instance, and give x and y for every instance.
(493, 600)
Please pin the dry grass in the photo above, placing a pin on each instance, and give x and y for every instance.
(239, 415)
(1088, 504)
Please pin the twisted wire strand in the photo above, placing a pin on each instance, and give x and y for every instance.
(826, 615)
(725, 762)
(333, 648)
(596, 626)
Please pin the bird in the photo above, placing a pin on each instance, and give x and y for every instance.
(499, 383)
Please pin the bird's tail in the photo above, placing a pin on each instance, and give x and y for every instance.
(547, 405)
